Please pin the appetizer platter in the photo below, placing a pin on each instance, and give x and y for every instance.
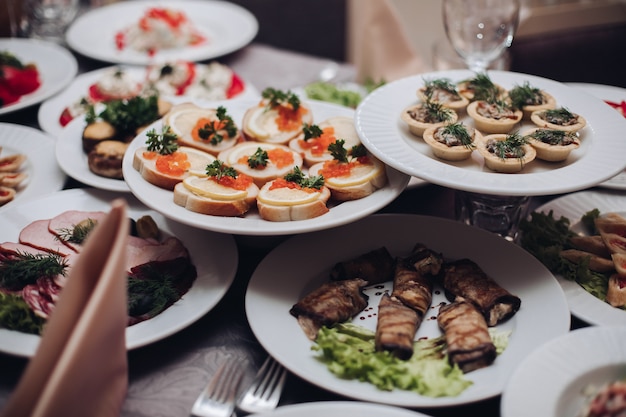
(387, 136)
(222, 28)
(55, 65)
(251, 223)
(341, 409)
(214, 256)
(583, 304)
(52, 112)
(575, 371)
(40, 170)
(615, 97)
(306, 261)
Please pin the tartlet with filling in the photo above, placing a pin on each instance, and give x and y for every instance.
(496, 116)
(507, 153)
(480, 87)
(559, 118)
(529, 99)
(444, 91)
(552, 144)
(452, 142)
(420, 117)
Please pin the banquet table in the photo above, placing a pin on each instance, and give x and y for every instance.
(166, 376)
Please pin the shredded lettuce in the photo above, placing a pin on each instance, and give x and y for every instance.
(349, 352)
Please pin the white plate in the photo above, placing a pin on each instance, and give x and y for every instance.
(227, 26)
(582, 304)
(616, 95)
(303, 262)
(56, 65)
(339, 409)
(73, 160)
(252, 224)
(214, 255)
(551, 380)
(598, 158)
(51, 109)
(44, 174)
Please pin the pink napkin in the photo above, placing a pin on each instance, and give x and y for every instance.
(379, 46)
(80, 368)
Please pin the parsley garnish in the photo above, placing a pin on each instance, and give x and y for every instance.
(311, 131)
(278, 98)
(127, 116)
(258, 159)
(297, 176)
(164, 143)
(8, 59)
(210, 130)
(341, 154)
(218, 170)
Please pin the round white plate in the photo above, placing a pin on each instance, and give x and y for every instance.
(339, 409)
(56, 65)
(301, 263)
(551, 381)
(251, 224)
(599, 157)
(582, 304)
(44, 174)
(227, 26)
(51, 109)
(214, 255)
(73, 160)
(615, 95)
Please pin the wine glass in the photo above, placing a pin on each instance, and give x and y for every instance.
(480, 30)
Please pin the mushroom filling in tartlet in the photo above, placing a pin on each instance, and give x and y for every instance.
(454, 135)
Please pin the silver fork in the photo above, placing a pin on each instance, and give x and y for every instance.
(218, 398)
(264, 393)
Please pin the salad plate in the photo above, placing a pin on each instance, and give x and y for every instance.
(340, 409)
(573, 206)
(226, 27)
(555, 379)
(214, 255)
(617, 97)
(73, 160)
(252, 224)
(56, 65)
(598, 158)
(301, 263)
(43, 173)
(50, 111)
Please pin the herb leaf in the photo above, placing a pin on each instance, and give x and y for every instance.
(164, 143)
(279, 97)
(218, 170)
(258, 159)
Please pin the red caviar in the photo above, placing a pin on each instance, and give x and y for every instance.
(175, 164)
(289, 119)
(320, 144)
(242, 182)
(280, 157)
(202, 123)
(283, 183)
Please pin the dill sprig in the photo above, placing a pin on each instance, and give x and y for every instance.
(24, 268)
(164, 143)
(444, 84)
(510, 147)
(298, 177)
(218, 170)
(525, 95)
(560, 116)
(458, 131)
(483, 87)
(436, 112)
(78, 232)
(553, 136)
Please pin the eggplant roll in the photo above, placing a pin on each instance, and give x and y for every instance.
(425, 261)
(374, 267)
(411, 287)
(329, 304)
(467, 336)
(464, 279)
(396, 327)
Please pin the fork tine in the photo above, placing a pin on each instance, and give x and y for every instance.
(264, 392)
(218, 398)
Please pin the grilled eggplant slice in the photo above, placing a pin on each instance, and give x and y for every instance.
(396, 327)
(375, 267)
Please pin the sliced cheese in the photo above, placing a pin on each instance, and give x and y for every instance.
(286, 196)
(359, 174)
(203, 186)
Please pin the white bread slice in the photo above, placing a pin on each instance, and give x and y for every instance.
(182, 119)
(289, 204)
(363, 180)
(147, 166)
(237, 156)
(259, 123)
(343, 128)
(201, 194)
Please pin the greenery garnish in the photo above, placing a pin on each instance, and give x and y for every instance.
(127, 115)
(458, 131)
(311, 131)
(212, 130)
(560, 116)
(553, 136)
(442, 84)
(341, 154)
(483, 88)
(258, 159)
(218, 170)
(24, 268)
(436, 112)
(8, 59)
(15, 314)
(525, 95)
(164, 143)
(297, 176)
(510, 147)
(279, 97)
(78, 233)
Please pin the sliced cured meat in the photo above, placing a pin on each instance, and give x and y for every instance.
(37, 235)
(14, 248)
(64, 226)
(141, 251)
(40, 302)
